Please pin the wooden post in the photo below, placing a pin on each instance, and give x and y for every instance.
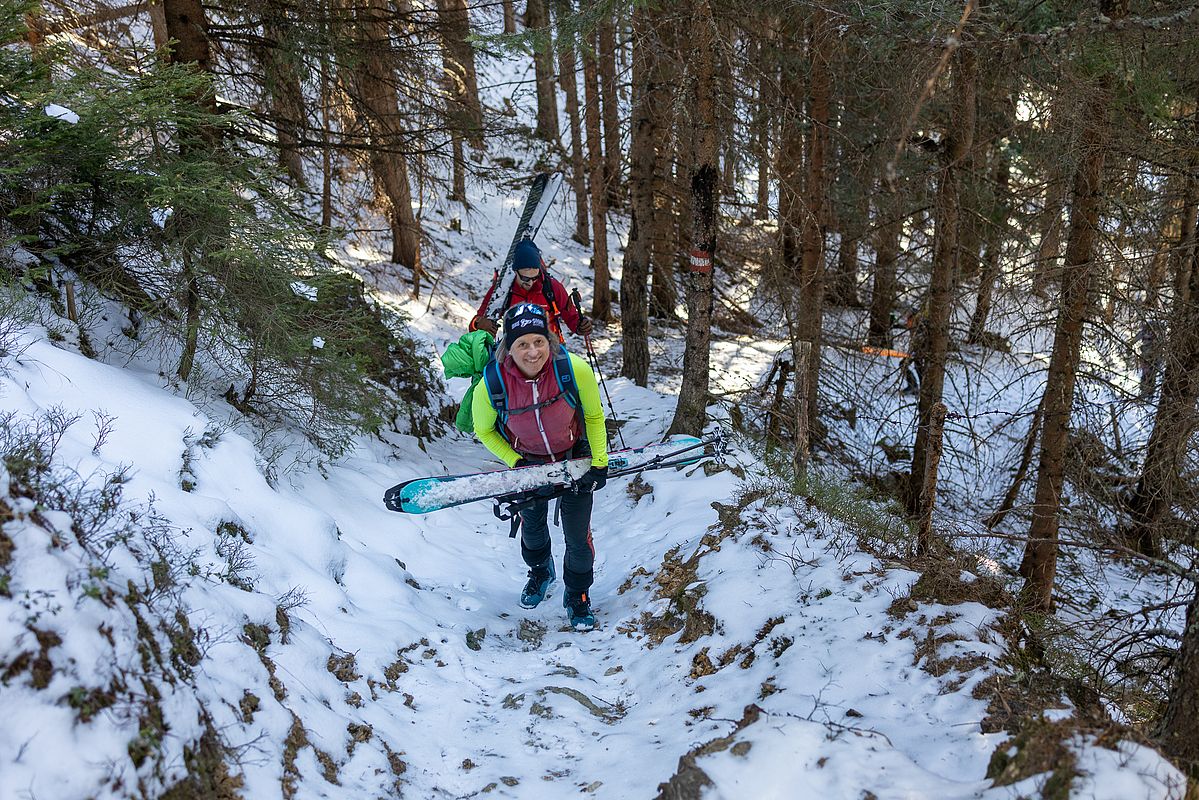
(72, 312)
(928, 494)
(799, 461)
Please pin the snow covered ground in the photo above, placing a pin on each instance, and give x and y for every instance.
(746, 643)
(344, 650)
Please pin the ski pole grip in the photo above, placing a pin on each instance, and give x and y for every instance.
(576, 299)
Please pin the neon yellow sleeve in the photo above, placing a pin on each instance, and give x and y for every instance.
(485, 419)
(593, 410)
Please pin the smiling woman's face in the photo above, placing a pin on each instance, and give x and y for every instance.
(530, 352)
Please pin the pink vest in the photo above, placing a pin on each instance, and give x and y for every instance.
(545, 428)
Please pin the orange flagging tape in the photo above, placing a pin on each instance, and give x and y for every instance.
(882, 351)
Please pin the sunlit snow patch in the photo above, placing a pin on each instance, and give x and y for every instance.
(61, 112)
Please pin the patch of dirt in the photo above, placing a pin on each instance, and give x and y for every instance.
(344, 667)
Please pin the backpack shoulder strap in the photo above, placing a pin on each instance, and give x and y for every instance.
(565, 373)
(496, 391)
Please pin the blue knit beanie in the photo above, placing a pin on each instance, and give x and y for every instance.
(527, 256)
(524, 318)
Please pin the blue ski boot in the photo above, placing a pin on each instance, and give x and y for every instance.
(578, 609)
(540, 585)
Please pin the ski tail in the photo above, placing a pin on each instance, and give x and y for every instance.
(541, 196)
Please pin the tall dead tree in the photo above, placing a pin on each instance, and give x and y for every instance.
(932, 345)
(1039, 565)
(650, 96)
(537, 20)
(690, 414)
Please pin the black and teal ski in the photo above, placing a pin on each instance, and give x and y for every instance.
(541, 196)
(422, 495)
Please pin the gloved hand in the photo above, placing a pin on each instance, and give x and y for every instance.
(482, 323)
(523, 462)
(592, 480)
(585, 326)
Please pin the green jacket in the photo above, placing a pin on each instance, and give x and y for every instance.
(465, 358)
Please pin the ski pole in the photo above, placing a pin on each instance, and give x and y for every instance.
(594, 359)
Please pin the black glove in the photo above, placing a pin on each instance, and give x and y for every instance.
(585, 326)
(592, 480)
(523, 462)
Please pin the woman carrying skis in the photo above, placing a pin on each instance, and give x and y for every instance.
(546, 408)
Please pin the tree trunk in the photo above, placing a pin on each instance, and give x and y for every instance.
(458, 58)
(886, 255)
(931, 347)
(606, 46)
(374, 83)
(649, 97)
(1178, 731)
(816, 190)
(568, 76)
(601, 307)
(537, 19)
(761, 127)
(691, 413)
(509, 7)
(187, 27)
(664, 294)
(1039, 565)
(851, 221)
(1046, 268)
(285, 98)
(996, 228)
(1174, 420)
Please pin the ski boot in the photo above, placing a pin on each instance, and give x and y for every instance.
(578, 609)
(539, 586)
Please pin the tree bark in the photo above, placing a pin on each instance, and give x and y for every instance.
(886, 255)
(1178, 731)
(285, 97)
(606, 47)
(691, 413)
(1174, 420)
(996, 227)
(188, 28)
(1046, 268)
(374, 83)
(649, 96)
(537, 19)
(1039, 565)
(761, 126)
(568, 76)
(458, 58)
(509, 7)
(601, 307)
(931, 348)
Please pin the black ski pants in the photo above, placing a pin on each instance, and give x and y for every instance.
(578, 565)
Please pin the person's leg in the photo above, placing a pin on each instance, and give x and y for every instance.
(577, 566)
(535, 549)
(535, 534)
